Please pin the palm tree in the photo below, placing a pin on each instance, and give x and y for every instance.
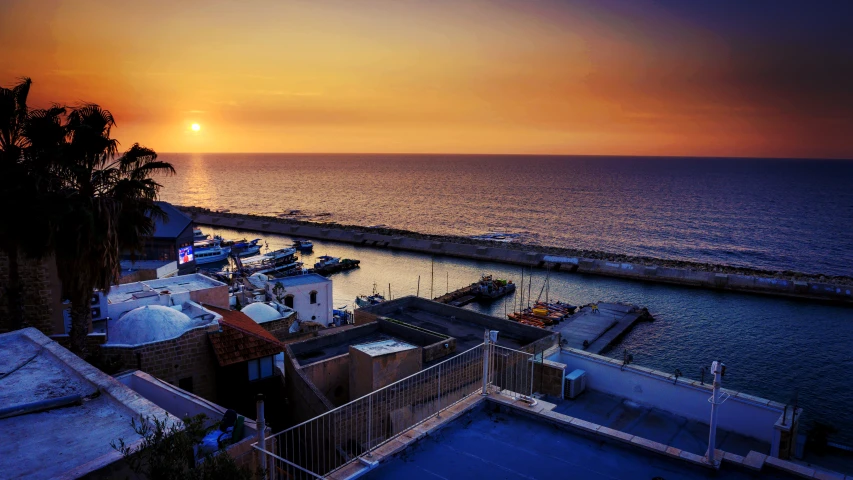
(15, 190)
(109, 209)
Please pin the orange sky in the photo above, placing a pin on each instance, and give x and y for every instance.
(556, 77)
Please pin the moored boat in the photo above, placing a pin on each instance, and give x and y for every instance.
(368, 300)
(327, 265)
(210, 251)
(198, 236)
(241, 248)
(489, 288)
(303, 245)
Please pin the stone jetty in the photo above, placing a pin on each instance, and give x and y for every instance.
(718, 277)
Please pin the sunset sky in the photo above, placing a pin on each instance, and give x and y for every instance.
(633, 77)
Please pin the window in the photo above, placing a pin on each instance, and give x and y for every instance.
(313, 297)
(260, 368)
(186, 384)
(288, 301)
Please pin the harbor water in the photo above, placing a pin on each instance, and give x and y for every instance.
(772, 347)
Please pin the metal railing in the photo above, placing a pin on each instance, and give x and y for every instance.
(511, 372)
(351, 432)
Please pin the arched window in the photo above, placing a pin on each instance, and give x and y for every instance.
(288, 301)
(314, 296)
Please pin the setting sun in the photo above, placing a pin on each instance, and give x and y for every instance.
(195, 127)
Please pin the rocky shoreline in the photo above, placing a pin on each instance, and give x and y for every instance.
(547, 250)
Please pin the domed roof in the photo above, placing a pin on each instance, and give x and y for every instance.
(261, 312)
(150, 323)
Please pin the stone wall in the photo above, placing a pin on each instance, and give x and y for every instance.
(304, 399)
(279, 328)
(548, 377)
(188, 356)
(331, 377)
(42, 304)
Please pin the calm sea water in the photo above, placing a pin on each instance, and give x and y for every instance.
(778, 215)
(770, 214)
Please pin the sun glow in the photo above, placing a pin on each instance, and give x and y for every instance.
(195, 127)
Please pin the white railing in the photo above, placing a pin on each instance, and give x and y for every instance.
(351, 432)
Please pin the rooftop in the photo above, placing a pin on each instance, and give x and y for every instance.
(305, 279)
(155, 323)
(180, 284)
(383, 347)
(465, 326)
(172, 226)
(487, 444)
(241, 339)
(71, 437)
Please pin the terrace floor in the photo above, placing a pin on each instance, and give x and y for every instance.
(485, 444)
(651, 423)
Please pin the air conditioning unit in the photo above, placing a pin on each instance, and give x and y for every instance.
(574, 384)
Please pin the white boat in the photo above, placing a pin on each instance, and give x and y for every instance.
(277, 263)
(210, 251)
(241, 248)
(198, 236)
(303, 245)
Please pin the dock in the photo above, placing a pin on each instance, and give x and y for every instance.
(596, 329)
(458, 298)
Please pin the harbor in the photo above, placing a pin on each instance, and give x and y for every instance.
(790, 285)
(689, 322)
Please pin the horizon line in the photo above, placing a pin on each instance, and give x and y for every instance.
(734, 157)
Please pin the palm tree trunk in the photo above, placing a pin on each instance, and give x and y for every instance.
(81, 314)
(13, 289)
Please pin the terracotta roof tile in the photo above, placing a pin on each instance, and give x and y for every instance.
(241, 339)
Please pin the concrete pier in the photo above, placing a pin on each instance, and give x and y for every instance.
(595, 329)
(801, 286)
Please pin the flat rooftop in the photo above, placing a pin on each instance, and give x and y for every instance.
(313, 351)
(72, 438)
(179, 284)
(305, 279)
(653, 423)
(464, 325)
(486, 444)
(384, 347)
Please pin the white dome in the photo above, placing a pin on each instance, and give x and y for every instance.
(259, 280)
(261, 312)
(151, 323)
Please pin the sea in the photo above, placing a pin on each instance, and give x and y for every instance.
(770, 214)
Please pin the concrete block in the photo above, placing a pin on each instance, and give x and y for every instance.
(754, 460)
(692, 457)
(672, 451)
(790, 467)
(821, 475)
(584, 425)
(350, 471)
(732, 458)
(615, 434)
(649, 444)
(389, 449)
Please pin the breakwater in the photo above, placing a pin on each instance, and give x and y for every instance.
(719, 277)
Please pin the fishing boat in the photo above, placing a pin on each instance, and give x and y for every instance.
(210, 251)
(327, 265)
(489, 288)
(543, 314)
(303, 245)
(369, 300)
